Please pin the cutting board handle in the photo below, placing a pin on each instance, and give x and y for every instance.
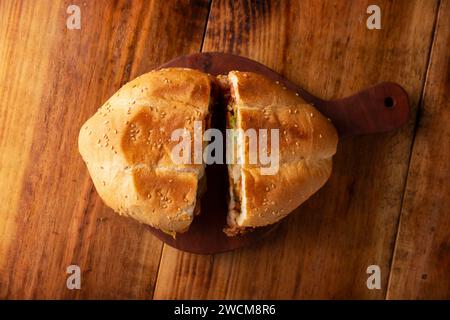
(381, 108)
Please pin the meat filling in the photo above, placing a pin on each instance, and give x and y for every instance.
(234, 169)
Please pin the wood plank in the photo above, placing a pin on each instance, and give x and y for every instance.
(421, 266)
(323, 250)
(51, 80)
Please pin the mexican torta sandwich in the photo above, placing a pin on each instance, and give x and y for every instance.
(127, 148)
(307, 142)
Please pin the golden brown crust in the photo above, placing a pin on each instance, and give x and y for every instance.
(303, 131)
(127, 147)
(270, 198)
(307, 142)
(257, 91)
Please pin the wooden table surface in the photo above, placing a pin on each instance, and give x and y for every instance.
(387, 202)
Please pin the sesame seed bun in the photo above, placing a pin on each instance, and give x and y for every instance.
(307, 142)
(127, 147)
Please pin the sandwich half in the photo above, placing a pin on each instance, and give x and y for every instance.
(127, 147)
(307, 142)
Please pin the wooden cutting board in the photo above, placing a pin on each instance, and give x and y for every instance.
(381, 108)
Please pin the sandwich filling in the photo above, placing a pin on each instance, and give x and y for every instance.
(235, 149)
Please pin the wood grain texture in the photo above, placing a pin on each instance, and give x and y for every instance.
(51, 80)
(421, 266)
(322, 250)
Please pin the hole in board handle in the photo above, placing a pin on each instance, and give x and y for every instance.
(389, 102)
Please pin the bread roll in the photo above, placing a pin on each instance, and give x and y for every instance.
(127, 147)
(307, 142)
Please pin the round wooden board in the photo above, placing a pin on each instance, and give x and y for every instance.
(362, 113)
